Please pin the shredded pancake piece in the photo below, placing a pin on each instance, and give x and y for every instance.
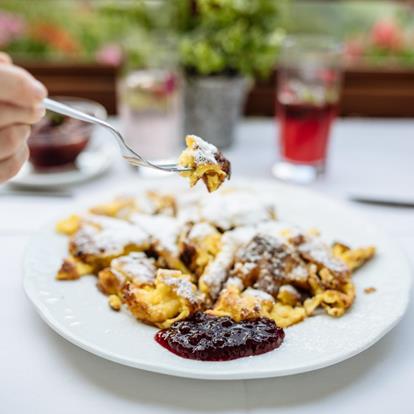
(207, 163)
(253, 303)
(136, 268)
(199, 245)
(101, 239)
(172, 297)
(267, 263)
(217, 271)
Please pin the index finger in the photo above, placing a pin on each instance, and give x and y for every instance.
(20, 88)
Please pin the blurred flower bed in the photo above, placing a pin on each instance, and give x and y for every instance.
(82, 31)
(375, 33)
(207, 37)
(222, 36)
(388, 42)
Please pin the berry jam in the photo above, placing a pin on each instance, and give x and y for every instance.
(57, 141)
(211, 338)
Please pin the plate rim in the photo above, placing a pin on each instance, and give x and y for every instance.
(53, 323)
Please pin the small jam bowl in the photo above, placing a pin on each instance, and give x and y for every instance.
(57, 140)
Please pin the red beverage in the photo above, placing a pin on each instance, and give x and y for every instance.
(308, 90)
(304, 131)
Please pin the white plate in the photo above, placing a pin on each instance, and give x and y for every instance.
(92, 162)
(78, 312)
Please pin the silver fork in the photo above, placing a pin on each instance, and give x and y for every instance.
(128, 153)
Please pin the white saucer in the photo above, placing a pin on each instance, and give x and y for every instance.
(94, 161)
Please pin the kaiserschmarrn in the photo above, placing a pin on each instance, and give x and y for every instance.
(164, 257)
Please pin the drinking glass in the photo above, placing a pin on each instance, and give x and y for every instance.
(308, 90)
(151, 112)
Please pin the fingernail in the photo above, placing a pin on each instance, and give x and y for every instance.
(40, 90)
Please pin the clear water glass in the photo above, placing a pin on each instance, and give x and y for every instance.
(151, 112)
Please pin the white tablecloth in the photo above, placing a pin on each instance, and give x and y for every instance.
(42, 373)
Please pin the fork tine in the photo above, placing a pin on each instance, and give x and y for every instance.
(133, 162)
(172, 167)
(164, 167)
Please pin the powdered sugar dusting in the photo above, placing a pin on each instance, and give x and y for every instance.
(201, 230)
(217, 271)
(234, 209)
(136, 266)
(259, 294)
(204, 153)
(111, 238)
(289, 289)
(320, 252)
(234, 281)
(183, 288)
(164, 229)
(299, 272)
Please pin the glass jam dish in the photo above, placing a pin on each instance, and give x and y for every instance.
(57, 140)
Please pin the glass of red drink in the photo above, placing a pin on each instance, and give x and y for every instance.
(309, 81)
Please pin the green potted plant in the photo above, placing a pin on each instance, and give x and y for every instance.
(223, 44)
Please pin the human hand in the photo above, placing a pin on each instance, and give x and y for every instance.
(21, 98)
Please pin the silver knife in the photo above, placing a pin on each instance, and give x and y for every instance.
(382, 201)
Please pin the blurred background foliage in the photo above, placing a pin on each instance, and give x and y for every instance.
(204, 37)
(340, 18)
(230, 37)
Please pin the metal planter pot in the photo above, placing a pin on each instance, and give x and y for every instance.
(212, 107)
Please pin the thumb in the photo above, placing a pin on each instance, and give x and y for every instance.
(5, 58)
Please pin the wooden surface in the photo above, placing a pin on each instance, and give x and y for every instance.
(92, 81)
(378, 93)
(366, 92)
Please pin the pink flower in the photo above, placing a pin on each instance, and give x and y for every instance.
(386, 34)
(12, 27)
(171, 83)
(353, 50)
(109, 54)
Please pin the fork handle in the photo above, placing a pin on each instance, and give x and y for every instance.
(63, 109)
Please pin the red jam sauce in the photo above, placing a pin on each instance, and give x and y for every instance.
(57, 141)
(210, 338)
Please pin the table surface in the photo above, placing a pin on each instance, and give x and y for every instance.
(42, 372)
